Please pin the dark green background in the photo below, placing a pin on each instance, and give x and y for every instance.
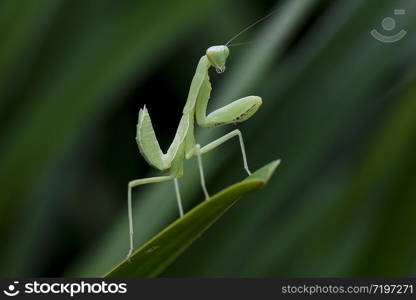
(339, 110)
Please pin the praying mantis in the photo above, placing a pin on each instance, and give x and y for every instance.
(184, 145)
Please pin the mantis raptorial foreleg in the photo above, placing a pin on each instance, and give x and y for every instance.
(138, 182)
(235, 112)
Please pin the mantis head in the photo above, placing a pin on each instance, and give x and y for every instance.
(217, 55)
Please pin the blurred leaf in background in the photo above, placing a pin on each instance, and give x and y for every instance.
(338, 109)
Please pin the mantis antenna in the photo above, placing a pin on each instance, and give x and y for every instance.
(247, 43)
(250, 26)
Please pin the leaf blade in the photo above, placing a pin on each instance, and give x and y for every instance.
(154, 256)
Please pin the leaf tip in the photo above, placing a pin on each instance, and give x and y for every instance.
(265, 173)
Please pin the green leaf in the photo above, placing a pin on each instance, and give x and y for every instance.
(154, 256)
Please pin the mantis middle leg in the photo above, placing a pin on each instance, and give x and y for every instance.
(223, 139)
(214, 144)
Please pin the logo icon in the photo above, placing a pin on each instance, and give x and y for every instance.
(389, 24)
(12, 291)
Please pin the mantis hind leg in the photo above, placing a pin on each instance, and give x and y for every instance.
(137, 182)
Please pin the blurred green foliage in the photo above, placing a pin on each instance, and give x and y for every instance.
(338, 109)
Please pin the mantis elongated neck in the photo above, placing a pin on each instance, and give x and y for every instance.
(199, 78)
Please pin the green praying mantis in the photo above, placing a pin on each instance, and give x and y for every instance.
(184, 145)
